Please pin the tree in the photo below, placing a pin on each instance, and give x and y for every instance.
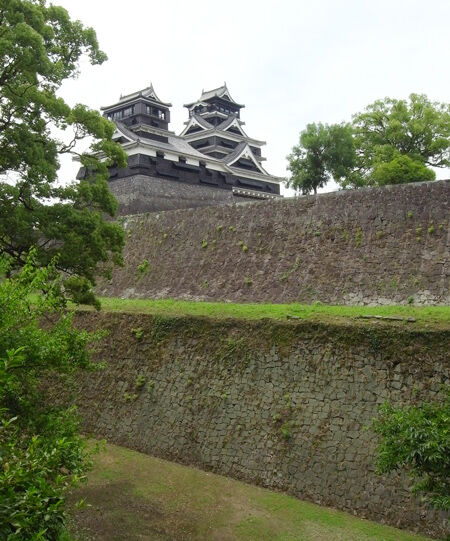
(392, 141)
(324, 152)
(39, 48)
(53, 240)
(418, 438)
(398, 141)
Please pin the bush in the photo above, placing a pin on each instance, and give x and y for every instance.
(417, 438)
(41, 453)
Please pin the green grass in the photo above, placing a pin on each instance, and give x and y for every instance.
(131, 495)
(430, 315)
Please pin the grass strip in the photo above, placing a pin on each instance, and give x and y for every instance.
(423, 315)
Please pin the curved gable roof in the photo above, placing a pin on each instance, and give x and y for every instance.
(196, 120)
(232, 120)
(243, 151)
(220, 92)
(148, 93)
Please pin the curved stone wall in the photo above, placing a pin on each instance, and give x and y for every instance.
(370, 246)
(285, 405)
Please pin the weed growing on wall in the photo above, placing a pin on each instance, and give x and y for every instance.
(138, 332)
(295, 267)
(140, 381)
(285, 430)
(142, 268)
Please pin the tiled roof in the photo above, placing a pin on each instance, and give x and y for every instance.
(207, 125)
(148, 93)
(175, 143)
(215, 92)
(233, 155)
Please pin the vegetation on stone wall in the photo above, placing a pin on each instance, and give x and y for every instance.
(278, 403)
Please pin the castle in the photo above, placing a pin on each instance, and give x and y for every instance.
(213, 161)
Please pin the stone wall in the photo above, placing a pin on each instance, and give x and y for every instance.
(281, 404)
(141, 193)
(369, 246)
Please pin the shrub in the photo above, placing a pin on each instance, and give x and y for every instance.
(417, 438)
(41, 453)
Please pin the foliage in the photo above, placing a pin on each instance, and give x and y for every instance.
(40, 47)
(143, 268)
(401, 169)
(391, 142)
(418, 438)
(41, 453)
(324, 152)
(37, 470)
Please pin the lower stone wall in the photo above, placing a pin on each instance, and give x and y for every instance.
(280, 404)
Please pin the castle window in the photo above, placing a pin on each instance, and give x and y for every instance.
(128, 111)
(117, 115)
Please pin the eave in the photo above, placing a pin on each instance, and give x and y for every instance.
(225, 134)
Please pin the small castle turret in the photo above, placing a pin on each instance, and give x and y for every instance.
(143, 113)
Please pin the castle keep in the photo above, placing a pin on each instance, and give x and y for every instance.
(213, 161)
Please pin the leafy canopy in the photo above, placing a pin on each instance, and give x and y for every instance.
(418, 438)
(40, 47)
(391, 142)
(324, 152)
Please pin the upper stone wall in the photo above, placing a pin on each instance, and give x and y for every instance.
(141, 193)
(370, 246)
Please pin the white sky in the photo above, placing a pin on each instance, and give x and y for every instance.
(290, 62)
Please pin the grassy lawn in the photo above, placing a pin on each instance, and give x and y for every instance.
(424, 315)
(133, 496)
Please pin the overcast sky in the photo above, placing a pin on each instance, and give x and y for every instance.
(290, 62)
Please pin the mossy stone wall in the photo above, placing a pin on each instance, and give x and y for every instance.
(281, 404)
